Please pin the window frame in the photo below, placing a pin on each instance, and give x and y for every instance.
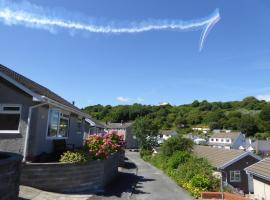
(9, 112)
(61, 116)
(79, 120)
(232, 176)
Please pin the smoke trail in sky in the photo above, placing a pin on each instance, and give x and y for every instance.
(29, 15)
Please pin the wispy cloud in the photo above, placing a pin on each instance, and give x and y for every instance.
(123, 99)
(265, 97)
(33, 16)
(127, 100)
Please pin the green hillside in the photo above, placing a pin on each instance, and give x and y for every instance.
(249, 115)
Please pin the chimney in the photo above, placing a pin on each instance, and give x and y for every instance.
(73, 103)
(121, 122)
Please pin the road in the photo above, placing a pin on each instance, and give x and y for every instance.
(153, 184)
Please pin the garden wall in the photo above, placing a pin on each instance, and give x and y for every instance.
(10, 168)
(68, 178)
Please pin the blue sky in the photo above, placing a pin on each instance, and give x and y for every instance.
(150, 67)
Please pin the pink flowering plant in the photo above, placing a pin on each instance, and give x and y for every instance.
(102, 147)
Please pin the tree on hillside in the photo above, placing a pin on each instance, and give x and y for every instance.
(146, 132)
(265, 113)
(248, 125)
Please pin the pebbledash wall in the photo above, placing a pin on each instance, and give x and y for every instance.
(68, 178)
(10, 167)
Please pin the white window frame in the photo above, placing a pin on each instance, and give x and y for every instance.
(61, 116)
(2, 111)
(79, 120)
(232, 176)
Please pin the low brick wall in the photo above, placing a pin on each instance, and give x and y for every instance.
(218, 195)
(10, 168)
(68, 178)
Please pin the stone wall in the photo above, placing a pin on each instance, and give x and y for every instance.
(68, 178)
(10, 167)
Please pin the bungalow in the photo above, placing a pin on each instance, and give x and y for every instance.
(32, 117)
(261, 179)
(231, 164)
(124, 129)
(227, 140)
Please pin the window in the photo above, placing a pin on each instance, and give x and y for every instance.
(79, 126)
(235, 176)
(217, 140)
(228, 140)
(222, 140)
(10, 116)
(212, 140)
(58, 125)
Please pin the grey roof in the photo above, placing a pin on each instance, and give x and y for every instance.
(231, 135)
(118, 125)
(261, 169)
(98, 123)
(168, 132)
(35, 87)
(217, 157)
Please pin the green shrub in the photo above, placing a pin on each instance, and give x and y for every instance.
(145, 152)
(192, 167)
(75, 157)
(176, 144)
(201, 181)
(159, 161)
(178, 158)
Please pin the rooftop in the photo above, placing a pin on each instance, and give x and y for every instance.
(35, 87)
(231, 135)
(217, 157)
(261, 169)
(119, 125)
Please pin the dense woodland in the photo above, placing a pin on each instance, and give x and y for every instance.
(250, 115)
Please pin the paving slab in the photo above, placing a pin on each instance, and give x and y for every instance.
(28, 193)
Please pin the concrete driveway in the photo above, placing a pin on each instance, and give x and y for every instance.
(153, 184)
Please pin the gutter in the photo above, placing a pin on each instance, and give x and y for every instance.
(258, 175)
(26, 141)
(55, 103)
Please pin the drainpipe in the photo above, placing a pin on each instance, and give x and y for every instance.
(25, 150)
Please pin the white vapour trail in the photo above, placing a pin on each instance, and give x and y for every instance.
(30, 15)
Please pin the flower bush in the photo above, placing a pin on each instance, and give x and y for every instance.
(101, 147)
(96, 147)
(75, 157)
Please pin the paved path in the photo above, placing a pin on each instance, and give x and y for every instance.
(28, 193)
(153, 184)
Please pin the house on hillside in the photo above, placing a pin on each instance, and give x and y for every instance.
(33, 118)
(260, 172)
(227, 140)
(124, 129)
(203, 129)
(231, 164)
(165, 135)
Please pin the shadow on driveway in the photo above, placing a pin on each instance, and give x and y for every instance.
(126, 182)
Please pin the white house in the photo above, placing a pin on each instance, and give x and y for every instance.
(261, 179)
(227, 140)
